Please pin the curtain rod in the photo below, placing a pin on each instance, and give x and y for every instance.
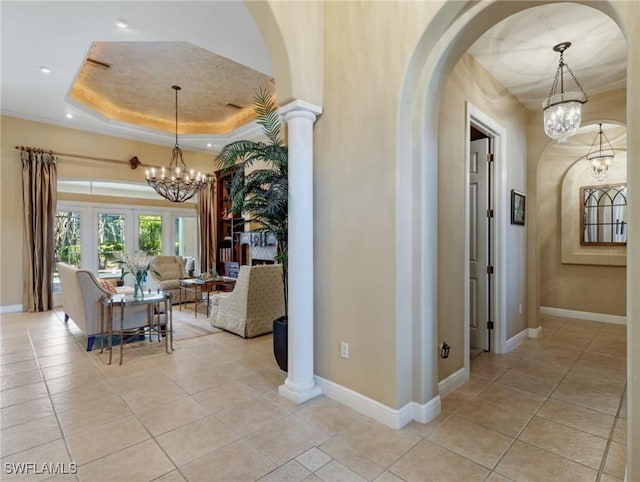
(133, 162)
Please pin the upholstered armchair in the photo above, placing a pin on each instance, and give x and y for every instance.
(170, 270)
(81, 295)
(256, 300)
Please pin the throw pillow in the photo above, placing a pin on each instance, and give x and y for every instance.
(107, 286)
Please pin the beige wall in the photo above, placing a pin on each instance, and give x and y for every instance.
(584, 287)
(17, 132)
(355, 192)
(469, 81)
(293, 32)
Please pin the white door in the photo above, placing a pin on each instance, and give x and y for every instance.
(479, 249)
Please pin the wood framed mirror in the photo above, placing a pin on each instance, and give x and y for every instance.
(604, 215)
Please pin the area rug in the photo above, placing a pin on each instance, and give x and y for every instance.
(186, 325)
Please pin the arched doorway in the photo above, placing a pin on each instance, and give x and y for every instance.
(438, 51)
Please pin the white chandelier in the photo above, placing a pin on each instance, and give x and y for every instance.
(563, 111)
(600, 155)
(175, 183)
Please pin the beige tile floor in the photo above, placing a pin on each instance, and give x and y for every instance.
(554, 409)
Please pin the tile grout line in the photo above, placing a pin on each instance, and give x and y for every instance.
(611, 435)
(537, 410)
(55, 412)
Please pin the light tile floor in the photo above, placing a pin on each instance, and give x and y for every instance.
(554, 409)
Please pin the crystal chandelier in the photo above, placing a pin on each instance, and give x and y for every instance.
(175, 183)
(600, 155)
(563, 111)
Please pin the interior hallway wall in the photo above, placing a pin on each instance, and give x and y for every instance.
(469, 81)
(588, 288)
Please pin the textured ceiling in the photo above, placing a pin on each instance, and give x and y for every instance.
(131, 82)
(518, 50)
(60, 35)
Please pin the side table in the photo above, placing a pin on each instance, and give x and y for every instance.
(154, 302)
(200, 287)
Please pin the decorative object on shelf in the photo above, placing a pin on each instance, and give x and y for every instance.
(563, 110)
(600, 155)
(517, 207)
(175, 183)
(263, 193)
(139, 266)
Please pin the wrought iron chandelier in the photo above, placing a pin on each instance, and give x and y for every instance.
(600, 155)
(175, 183)
(563, 111)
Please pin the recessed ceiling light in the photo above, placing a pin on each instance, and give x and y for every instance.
(69, 116)
(208, 144)
(45, 70)
(121, 23)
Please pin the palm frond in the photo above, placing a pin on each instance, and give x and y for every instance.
(267, 116)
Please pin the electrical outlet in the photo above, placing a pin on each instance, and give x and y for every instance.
(344, 350)
(520, 309)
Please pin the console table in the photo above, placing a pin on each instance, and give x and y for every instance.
(155, 308)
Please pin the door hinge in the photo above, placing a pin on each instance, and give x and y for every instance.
(489, 325)
(489, 213)
(489, 269)
(489, 157)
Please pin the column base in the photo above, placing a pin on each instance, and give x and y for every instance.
(299, 397)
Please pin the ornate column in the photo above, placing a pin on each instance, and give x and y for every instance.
(300, 384)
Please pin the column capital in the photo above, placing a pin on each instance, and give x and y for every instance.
(300, 108)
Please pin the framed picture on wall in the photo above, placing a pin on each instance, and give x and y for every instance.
(517, 207)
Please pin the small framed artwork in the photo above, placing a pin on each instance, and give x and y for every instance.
(517, 207)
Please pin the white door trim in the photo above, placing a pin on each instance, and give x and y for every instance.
(477, 118)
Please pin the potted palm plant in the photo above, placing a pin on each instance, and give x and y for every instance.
(262, 193)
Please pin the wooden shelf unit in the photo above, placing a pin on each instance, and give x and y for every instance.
(229, 225)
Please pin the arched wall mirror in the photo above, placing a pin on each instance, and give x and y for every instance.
(604, 215)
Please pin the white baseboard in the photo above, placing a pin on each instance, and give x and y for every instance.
(11, 309)
(453, 381)
(391, 417)
(535, 332)
(424, 413)
(584, 315)
(515, 340)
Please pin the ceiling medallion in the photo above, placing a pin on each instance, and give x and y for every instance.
(563, 110)
(174, 183)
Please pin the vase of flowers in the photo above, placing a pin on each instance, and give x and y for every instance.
(138, 266)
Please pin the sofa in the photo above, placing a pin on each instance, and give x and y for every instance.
(81, 295)
(170, 270)
(256, 300)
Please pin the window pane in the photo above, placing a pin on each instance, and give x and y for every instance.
(110, 242)
(67, 242)
(150, 234)
(186, 232)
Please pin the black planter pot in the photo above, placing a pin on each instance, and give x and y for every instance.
(280, 341)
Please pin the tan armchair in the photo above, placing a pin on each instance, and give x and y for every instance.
(171, 269)
(256, 300)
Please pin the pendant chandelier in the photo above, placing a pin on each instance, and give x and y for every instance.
(175, 183)
(600, 155)
(563, 110)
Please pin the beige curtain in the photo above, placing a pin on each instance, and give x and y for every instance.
(207, 225)
(39, 179)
